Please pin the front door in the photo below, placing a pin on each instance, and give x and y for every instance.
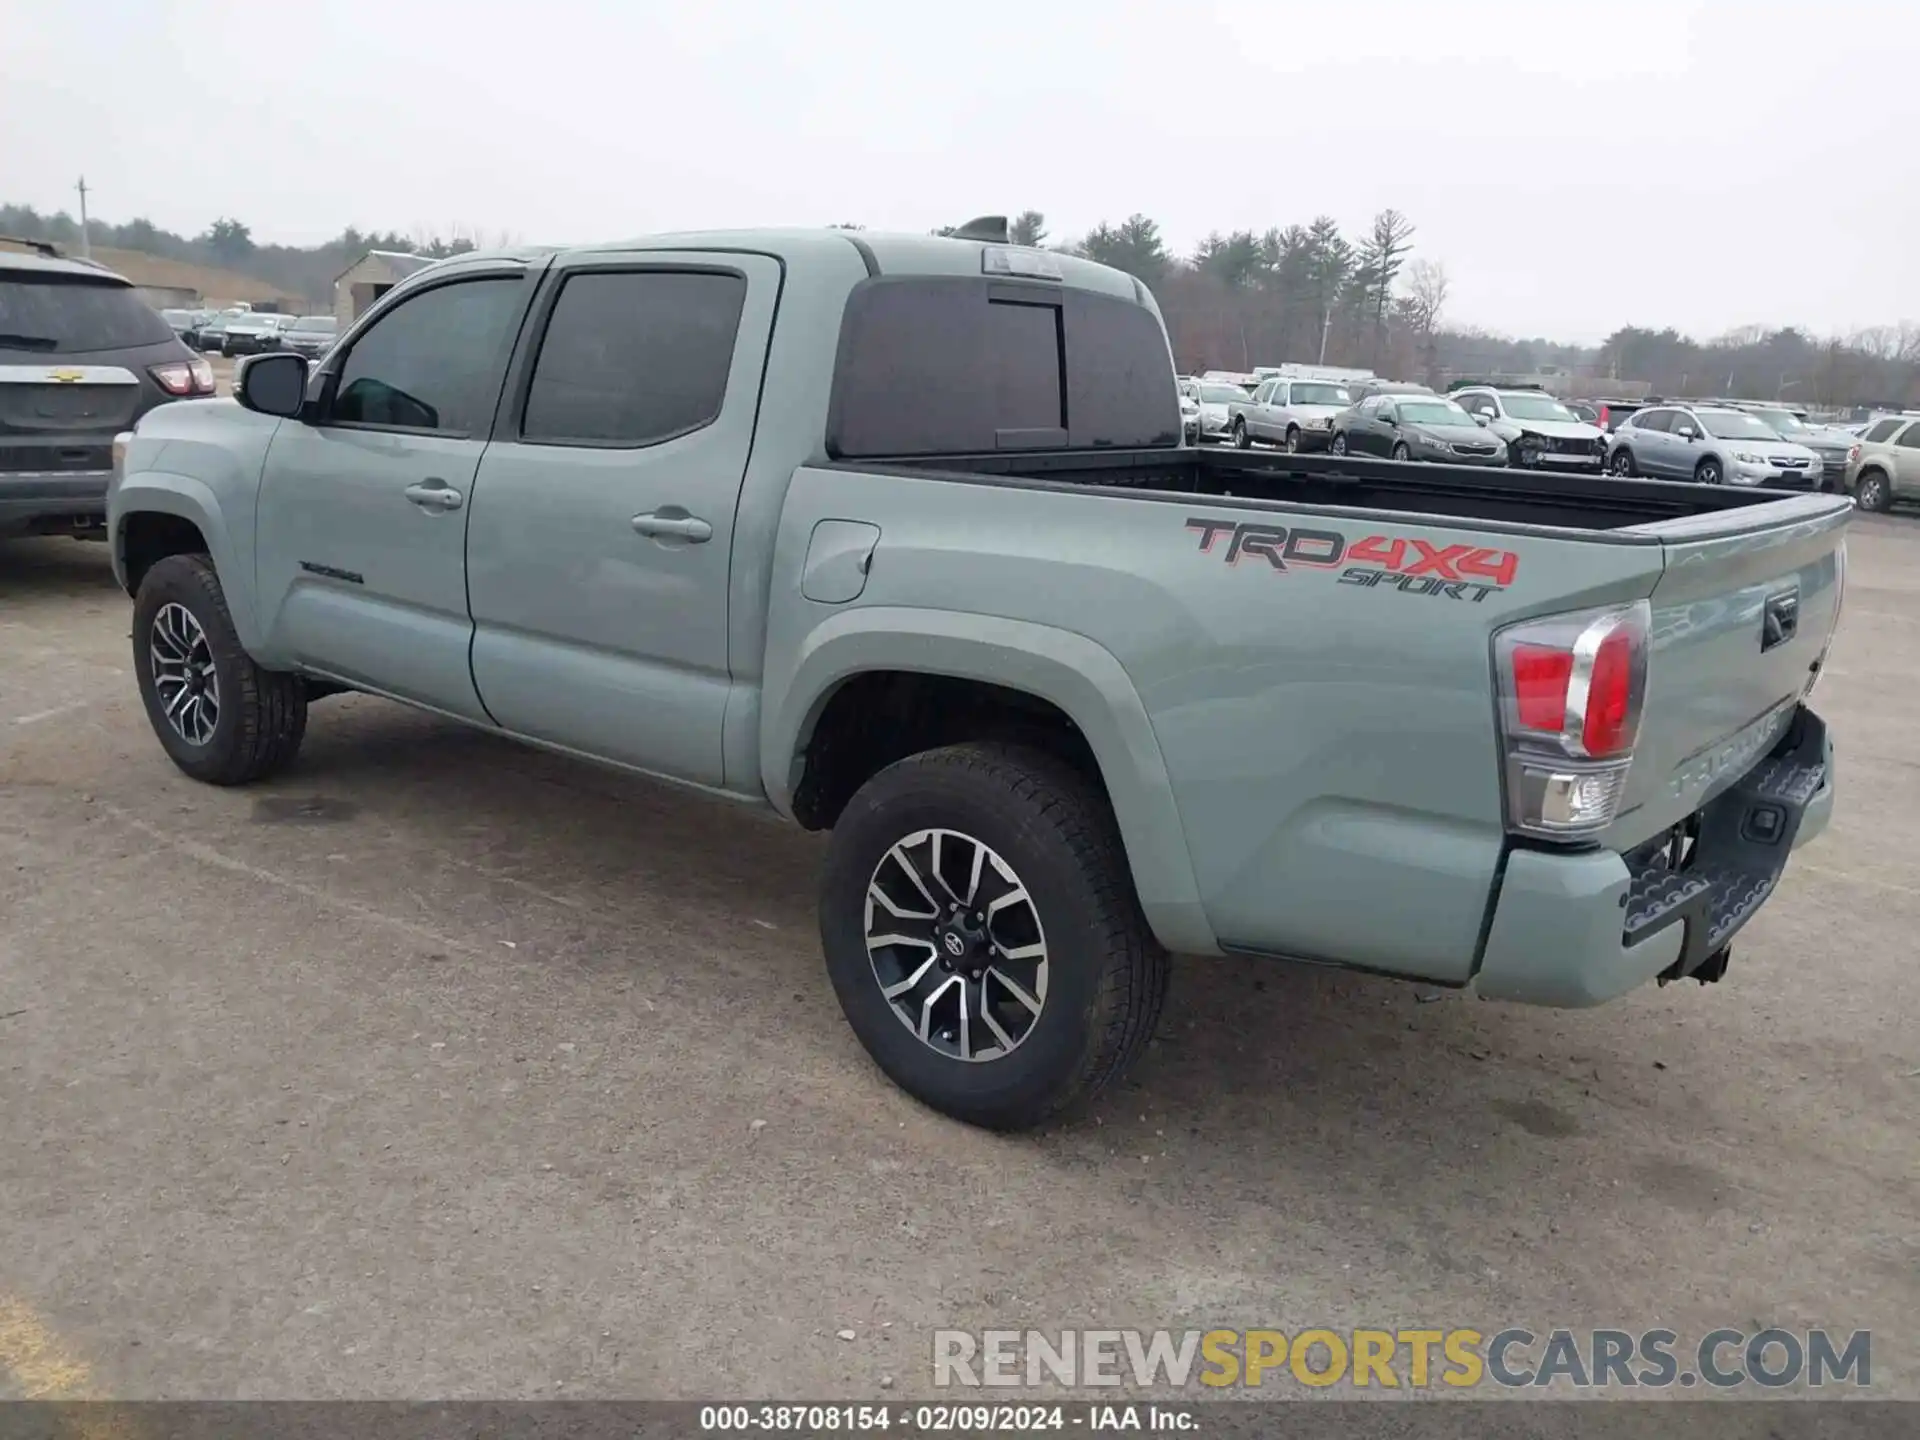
(602, 535)
(362, 529)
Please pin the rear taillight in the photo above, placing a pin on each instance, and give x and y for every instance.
(184, 377)
(1571, 691)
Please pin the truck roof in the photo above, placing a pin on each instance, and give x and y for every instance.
(883, 252)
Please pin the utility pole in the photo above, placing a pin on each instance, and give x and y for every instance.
(1326, 326)
(86, 245)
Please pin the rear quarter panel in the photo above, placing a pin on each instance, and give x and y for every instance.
(1326, 738)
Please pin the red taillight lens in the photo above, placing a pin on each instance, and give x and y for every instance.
(1571, 689)
(184, 377)
(1609, 711)
(176, 379)
(1540, 676)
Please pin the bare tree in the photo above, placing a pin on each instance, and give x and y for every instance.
(1423, 305)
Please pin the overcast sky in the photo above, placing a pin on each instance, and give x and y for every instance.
(1576, 166)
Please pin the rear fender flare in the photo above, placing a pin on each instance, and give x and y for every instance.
(1067, 670)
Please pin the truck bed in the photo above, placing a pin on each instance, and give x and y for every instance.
(1482, 493)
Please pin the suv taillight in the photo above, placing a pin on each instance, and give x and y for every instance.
(184, 377)
(1571, 690)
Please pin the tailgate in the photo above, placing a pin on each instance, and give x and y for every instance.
(1742, 615)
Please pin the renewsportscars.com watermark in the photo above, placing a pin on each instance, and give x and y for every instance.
(1513, 1358)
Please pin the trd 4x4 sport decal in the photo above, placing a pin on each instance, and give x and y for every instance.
(1408, 564)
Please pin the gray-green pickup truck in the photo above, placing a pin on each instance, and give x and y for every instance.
(896, 535)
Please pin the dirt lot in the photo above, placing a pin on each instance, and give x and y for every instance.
(439, 1067)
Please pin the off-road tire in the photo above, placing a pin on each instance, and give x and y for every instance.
(1107, 974)
(263, 713)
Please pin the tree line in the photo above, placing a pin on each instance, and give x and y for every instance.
(1301, 292)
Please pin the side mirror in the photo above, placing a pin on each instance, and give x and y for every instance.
(1480, 417)
(1389, 418)
(1686, 432)
(272, 384)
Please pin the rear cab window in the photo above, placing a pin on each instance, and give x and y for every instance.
(42, 314)
(931, 365)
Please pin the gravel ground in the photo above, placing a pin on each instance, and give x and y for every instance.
(440, 1067)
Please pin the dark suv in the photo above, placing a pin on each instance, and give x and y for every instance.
(82, 357)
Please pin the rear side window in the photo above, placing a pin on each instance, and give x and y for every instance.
(50, 315)
(1882, 430)
(1911, 439)
(634, 357)
(952, 365)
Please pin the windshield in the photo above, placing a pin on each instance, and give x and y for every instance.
(1784, 422)
(1305, 394)
(315, 325)
(55, 316)
(1535, 407)
(1222, 394)
(1733, 425)
(1433, 412)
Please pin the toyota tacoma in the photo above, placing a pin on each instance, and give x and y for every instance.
(896, 536)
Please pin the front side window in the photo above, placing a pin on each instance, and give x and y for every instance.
(634, 357)
(427, 363)
(1657, 420)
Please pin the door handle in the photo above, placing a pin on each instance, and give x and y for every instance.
(672, 523)
(434, 494)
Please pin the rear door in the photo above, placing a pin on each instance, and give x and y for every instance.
(1743, 611)
(1906, 460)
(603, 525)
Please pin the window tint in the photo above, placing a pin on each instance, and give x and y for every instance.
(1882, 430)
(57, 316)
(427, 364)
(634, 358)
(947, 365)
(1910, 440)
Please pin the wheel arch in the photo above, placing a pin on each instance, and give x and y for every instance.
(154, 514)
(1060, 689)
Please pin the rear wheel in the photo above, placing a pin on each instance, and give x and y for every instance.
(1707, 472)
(220, 717)
(1872, 492)
(1401, 452)
(1622, 464)
(982, 935)
(1339, 443)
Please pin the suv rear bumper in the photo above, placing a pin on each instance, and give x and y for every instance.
(1582, 928)
(61, 499)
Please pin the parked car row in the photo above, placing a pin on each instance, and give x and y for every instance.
(241, 330)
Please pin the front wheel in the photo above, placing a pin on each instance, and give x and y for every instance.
(982, 935)
(1293, 440)
(1707, 472)
(1241, 441)
(1339, 443)
(1622, 465)
(220, 717)
(1401, 452)
(1873, 493)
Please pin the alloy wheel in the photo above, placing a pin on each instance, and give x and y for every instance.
(183, 673)
(956, 945)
